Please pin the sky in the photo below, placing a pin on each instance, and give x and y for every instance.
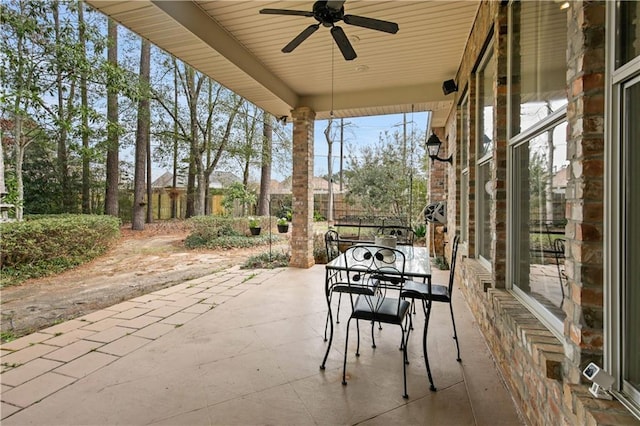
(359, 132)
(362, 131)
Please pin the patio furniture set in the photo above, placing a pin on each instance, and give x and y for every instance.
(383, 283)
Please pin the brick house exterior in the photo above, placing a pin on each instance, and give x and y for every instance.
(542, 369)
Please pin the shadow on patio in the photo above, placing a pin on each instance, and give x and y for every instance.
(244, 347)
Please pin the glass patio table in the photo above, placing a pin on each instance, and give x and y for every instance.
(417, 266)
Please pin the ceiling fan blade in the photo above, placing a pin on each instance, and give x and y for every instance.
(335, 4)
(373, 24)
(343, 43)
(300, 38)
(285, 12)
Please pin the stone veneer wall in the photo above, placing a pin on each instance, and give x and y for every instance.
(542, 372)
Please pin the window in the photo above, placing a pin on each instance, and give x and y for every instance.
(484, 150)
(539, 191)
(630, 288)
(538, 150)
(622, 222)
(538, 61)
(628, 32)
(464, 169)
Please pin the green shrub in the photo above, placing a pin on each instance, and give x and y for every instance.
(267, 260)
(420, 230)
(318, 217)
(51, 244)
(225, 232)
(319, 249)
(441, 263)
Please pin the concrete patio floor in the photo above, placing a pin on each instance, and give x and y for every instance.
(243, 347)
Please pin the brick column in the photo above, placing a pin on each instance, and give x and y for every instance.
(302, 223)
(436, 192)
(585, 186)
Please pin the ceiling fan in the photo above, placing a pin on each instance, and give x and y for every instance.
(327, 13)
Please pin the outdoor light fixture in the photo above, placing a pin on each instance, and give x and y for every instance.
(433, 148)
(449, 86)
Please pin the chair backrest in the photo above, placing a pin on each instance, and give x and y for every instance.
(381, 264)
(403, 234)
(454, 258)
(558, 247)
(331, 244)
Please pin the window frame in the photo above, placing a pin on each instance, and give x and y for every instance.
(555, 324)
(464, 167)
(553, 119)
(487, 159)
(614, 219)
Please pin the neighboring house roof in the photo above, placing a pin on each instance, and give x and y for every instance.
(322, 185)
(224, 179)
(559, 180)
(218, 180)
(318, 184)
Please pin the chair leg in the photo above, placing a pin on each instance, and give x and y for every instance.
(326, 323)
(330, 323)
(373, 337)
(455, 334)
(338, 311)
(358, 330)
(405, 361)
(405, 341)
(413, 304)
(346, 345)
(427, 313)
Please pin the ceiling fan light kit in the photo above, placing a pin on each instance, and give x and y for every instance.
(327, 13)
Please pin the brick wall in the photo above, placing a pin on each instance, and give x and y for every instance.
(543, 372)
(585, 152)
(436, 192)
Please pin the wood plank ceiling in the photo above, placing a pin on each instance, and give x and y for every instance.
(241, 49)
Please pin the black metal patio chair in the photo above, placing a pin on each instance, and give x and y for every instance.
(428, 293)
(385, 266)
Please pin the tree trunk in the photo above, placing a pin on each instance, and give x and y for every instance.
(265, 175)
(329, 136)
(149, 182)
(20, 148)
(113, 145)
(549, 179)
(174, 181)
(63, 162)
(86, 171)
(142, 139)
(195, 157)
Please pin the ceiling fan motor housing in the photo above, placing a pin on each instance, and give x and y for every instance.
(325, 14)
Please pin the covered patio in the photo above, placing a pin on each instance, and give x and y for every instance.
(236, 45)
(244, 347)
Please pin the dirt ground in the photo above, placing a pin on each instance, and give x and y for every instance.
(141, 262)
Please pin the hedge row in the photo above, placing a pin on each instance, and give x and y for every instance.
(51, 244)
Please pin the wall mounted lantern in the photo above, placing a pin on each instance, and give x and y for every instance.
(433, 148)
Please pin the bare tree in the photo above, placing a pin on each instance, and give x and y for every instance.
(142, 138)
(329, 137)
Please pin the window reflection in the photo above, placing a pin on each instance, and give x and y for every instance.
(538, 59)
(542, 182)
(628, 34)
